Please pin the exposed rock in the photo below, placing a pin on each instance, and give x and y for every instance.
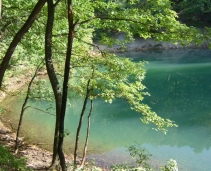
(141, 44)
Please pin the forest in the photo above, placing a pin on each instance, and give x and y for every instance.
(53, 47)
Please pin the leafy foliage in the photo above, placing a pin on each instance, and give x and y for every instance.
(108, 77)
(194, 10)
(170, 166)
(141, 156)
(41, 90)
(9, 162)
(115, 77)
(14, 15)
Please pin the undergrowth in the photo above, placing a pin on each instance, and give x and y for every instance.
(8, 162)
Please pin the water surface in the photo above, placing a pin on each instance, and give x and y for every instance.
(179, 82)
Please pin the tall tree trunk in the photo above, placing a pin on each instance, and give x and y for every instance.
(23, 108)
(80, 121)
(87, 136)
(65, 84)
(18, 37)
(52, 75)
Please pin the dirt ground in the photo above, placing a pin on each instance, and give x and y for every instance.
(37, 158)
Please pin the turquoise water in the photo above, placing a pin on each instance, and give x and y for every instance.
(179, 82)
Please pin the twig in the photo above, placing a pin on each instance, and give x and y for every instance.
(39, 110)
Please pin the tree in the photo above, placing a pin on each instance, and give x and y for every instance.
(52, 76)
(18, 37)
(120, 78)
(193, 9)
(24, 107)
(107, 76)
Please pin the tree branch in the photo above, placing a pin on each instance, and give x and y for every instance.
(24, 106)
(19, 36)
(39, 110)
(56, 3)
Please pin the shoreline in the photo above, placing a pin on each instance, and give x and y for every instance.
(37, 158)
(140, 44)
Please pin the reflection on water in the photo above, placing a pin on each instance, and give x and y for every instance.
(179, 82)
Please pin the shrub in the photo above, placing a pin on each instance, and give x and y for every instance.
(8, 162)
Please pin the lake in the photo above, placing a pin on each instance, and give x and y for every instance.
(179, 82)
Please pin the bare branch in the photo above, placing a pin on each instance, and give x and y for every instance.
(86, 21)
(91, 44)
(24, 106)
(39, 110)
(56, 3)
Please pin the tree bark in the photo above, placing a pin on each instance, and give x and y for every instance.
(52, 75)
(65, 85)
(80, 121)
(19, 36)
(87, 136)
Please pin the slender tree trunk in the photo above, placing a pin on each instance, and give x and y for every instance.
(87, 136)
(23, 109)
(80, 121)
(52, 75)
(19, 36)
(65, 85)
